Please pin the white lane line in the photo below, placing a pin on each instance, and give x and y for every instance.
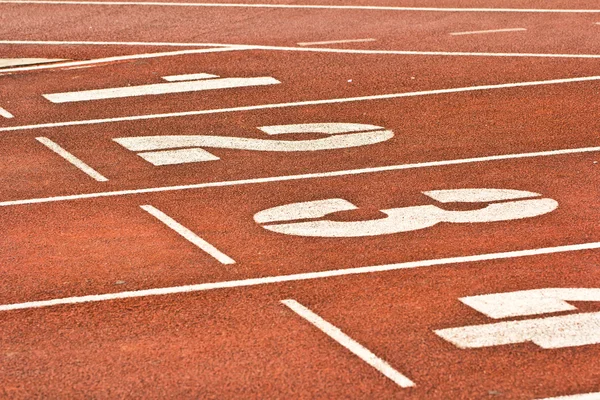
(583, 396)
(297, 6)
(336, 42)
(10, 62)
(71, 158)
(488, 31)
(5, 113)
(160, 88)
(188, 77)
(299, 277)
(302, 103)
(284, 178)
(188, 235)
(346, 341)
(122, 58)
(303, 49)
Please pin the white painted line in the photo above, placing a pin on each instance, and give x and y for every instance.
(336, 42)
(346, 341)
(5, 113)
(296, 6)
(299, 277)
(303, 49)
(188, 77)
(122, 58)
(302, 103)
(10, 62)
(489, 31)
(71, 158)
(160, 88)
(188, 235)
(315, 175)
(585, 396)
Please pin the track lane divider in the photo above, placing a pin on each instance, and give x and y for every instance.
(316, 175)
(128, 57)
(302, 6)
(298, 277)
(301, 49)
(188, 235)
(305, 103)
(350, 344)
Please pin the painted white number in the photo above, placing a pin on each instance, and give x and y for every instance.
(189, 148)
(403, 219)
(548, 333)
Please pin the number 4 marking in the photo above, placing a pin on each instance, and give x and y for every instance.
(548, 333)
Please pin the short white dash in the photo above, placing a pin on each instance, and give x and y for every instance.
(5, 113)
(189, 77)
(356, 348)
(71, 158)
(336, 42)
(489, 31)
(188, 235)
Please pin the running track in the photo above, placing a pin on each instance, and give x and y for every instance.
(300, 199)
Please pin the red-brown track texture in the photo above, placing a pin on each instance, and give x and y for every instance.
(242, 342)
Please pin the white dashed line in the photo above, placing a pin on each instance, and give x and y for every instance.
(72, 159)
(188, 235)
(489, 31)
(5, 113)
(346, 341)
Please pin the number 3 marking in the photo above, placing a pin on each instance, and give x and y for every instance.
(404, 219)
(189, 148)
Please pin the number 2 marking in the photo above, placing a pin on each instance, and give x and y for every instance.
(157, 150)
(403, 219)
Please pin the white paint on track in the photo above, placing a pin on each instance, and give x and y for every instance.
(336, 42)
(303, 103)
(183, 86)
(352, 345)
(316, 175)
(488, 31)
(584, 396)
(72, 159)
(11, 62)
(122, 58)
(300, 277)
(188, 235)
(301, 49)
(5, 114)
(299, 6)
(188, 77)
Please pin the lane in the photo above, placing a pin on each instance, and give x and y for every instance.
(331, 76)
(425, 129)
(84, 247)
(245, 342)
(410, 30)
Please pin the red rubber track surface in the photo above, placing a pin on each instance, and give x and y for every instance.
(242, 342)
